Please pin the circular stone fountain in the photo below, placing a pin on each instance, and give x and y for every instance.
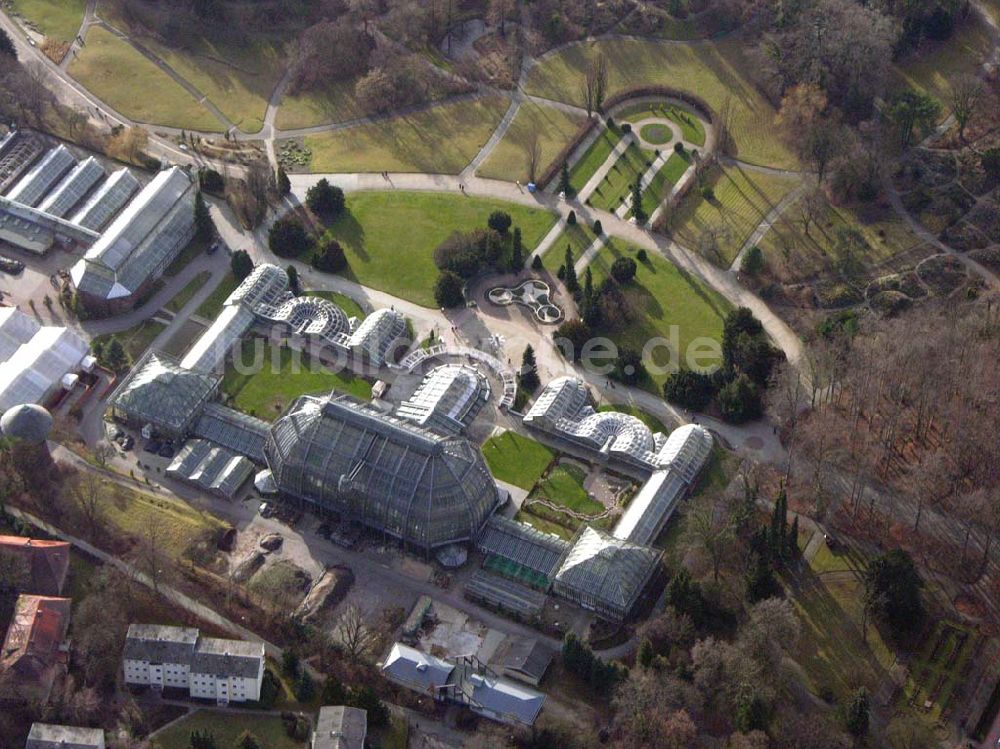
(533, 294)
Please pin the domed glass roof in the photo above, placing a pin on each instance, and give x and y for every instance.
(28, 422)
(406, 481)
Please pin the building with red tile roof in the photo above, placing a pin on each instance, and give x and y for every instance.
(35, 649)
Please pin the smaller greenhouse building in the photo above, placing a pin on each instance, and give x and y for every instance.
(160, 393)
(605, 574)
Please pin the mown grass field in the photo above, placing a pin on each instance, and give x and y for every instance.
(516, 459)
(692, 128)
(226, 727)
(668, 176)
(832, 649)
(118, 74)
(712, 71)
(335, 103)
(237, 78)
(578, 238)
(742, 199)
(564, 486)
(58, 19)
(617, 185)
(383, 232)
(177, 524)
(660, 297)
(278, 376)
(593, 158)
(791, 255)
(439, 140)
(554, 129)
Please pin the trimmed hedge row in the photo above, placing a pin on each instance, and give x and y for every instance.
(666, 91)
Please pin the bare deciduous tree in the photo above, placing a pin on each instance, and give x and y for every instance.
(966, 94)
(533, 155)
(87, 492)
(354, 632)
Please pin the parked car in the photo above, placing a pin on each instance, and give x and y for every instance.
(264, 510)
(9, 265)
(128, 442)
(212, 248)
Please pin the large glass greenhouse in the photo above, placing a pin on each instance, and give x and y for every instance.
(344, 456)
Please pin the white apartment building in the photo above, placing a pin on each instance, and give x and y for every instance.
(162, 656)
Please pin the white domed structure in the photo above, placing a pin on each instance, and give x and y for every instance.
(27, 422)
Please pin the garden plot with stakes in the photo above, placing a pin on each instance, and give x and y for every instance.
(938, 670)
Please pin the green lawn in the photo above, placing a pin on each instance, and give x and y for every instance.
(137, 338)
(279, 375)
(183, 296)
(712, 71)
(58, 19)
(741, 201)
(351, 308)
(212, 306)
(664, 180)
(654, 424)
(545, 526)
(554, 129)
(177, 523)
(237, 78)
(592, 159)
(832, 649)
(117, 73)
(656, 134)
(563, 486)
(792, 255)
(667, 304)
(384, 232)
(692, 128)
(516, 459)
(439, 140)
(579, 237)
(617, 185)
(226, 728)
(335, 103)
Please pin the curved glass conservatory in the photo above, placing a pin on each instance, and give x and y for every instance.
(344, 456)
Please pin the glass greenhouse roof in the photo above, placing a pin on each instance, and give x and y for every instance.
(605, 573)
(408, 482)
(74, 186)
(33, 186)
(162, 393)
(109, 198)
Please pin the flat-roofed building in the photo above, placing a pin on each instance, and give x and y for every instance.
(35, 359)
(340, 727)
(49, 736)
